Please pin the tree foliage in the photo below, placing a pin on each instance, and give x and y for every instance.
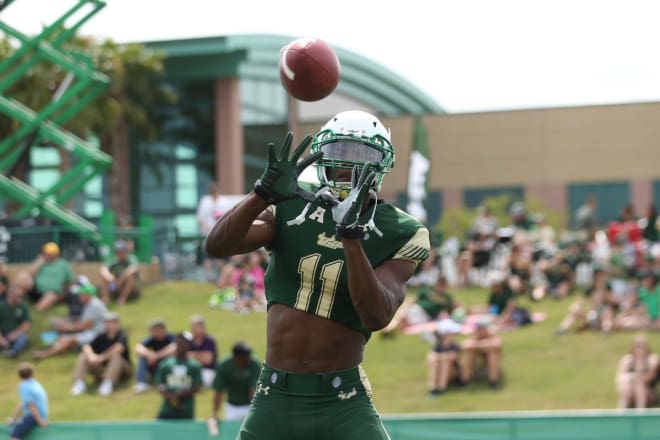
(456, 222)
(127, 110)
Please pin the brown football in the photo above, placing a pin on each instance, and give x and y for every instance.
(309, 69)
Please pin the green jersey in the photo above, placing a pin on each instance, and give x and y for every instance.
(237, 381)
(651, 299)
(307, 270)
(53, 276)
(12, 317)
(117, 267)
(433, 302)
(178, 375)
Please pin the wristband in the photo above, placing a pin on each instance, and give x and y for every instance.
(263, 193)
(351, 233)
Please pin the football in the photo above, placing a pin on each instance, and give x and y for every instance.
(309, 69)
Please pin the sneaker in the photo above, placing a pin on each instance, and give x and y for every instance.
(79, 387)
(106, 388)
(436, 392)
(141, 387)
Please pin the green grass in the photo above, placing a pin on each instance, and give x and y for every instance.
(542, 372)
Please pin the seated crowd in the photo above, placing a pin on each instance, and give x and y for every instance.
(612, 275)
(105, 356)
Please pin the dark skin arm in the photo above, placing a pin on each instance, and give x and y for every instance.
(244, 228)
(376, 293)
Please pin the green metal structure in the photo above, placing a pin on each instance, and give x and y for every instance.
(81, 86)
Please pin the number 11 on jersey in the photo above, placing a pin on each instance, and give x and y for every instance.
(328, 275)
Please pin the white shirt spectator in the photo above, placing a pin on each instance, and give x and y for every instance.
(211, 207)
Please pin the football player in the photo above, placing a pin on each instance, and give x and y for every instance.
(340, 260)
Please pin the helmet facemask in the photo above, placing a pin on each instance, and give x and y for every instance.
(341, 152)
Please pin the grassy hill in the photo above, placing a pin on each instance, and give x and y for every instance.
(542, 371)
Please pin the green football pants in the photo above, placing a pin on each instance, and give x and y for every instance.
(294, 406)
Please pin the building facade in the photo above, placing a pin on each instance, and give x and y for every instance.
(231, 104)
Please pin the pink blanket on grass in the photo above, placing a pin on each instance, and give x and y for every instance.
(468, 326)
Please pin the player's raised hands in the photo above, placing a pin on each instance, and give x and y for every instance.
(279, 181)
(346, 213)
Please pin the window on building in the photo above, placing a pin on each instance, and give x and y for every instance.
(474, 197)
(610, 198)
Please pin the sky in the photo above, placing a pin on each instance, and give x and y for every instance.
(469, 55)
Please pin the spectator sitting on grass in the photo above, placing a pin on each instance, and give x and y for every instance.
(593, 309)
(245, 283)
(520, 268)
(4, 282)
(107, 357)
(635, 375)
(46, 282)
(121, 278)
(430, 304)
(487, 345)
(74, 334)
(649, 296)
(15, 322)
(179, 378)
(159, 345)
(443, 360)
(33, 404)
(203, 349)
(502, 300)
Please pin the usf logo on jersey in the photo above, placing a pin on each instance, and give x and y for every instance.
(329, 242)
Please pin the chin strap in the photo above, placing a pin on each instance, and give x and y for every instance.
(300, 218)
(371, 225)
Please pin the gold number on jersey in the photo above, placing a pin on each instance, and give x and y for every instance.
(307, 270)
(329, 277)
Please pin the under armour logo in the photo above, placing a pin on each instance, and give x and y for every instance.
(262, 389)
(345, 396)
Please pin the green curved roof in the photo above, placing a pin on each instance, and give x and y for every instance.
(256, 56)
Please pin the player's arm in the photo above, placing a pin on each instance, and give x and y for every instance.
(244, 228)
(376, 293)
(35, 413)
(249, 225)
(17, 411)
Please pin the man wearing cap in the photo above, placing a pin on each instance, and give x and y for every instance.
(15, 322)
(159, 345)
(203, 349)
(107, 357)
(75, 334)
(47, 280)
(120, 275)
(236, 375)
(179, 378)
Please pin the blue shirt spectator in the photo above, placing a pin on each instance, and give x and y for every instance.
(33, 404)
